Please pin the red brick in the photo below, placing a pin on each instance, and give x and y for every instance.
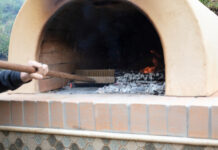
(72, 115)
(214, 123)
(17, 113)
(157, 120)
(87, 116)
(102, 116)
(58, 57)
(51, 84)
(57, 115)
(30, 113)
(5, 113)
(198, 122)
(53, 46)
(177, 121)
(62, 67)
(138, 118)
(55, 35)
(119, 117)
(43, 114)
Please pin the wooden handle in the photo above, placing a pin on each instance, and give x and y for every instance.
(29, 69)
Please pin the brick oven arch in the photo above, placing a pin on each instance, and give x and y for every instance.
(187, 30)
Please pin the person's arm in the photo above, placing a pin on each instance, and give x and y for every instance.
(11, 80)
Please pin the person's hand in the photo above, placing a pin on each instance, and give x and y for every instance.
(42, 70)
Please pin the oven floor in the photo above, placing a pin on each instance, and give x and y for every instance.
(77, 90)
(125, 83)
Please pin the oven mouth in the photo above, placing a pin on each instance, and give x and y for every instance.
(114, 36)
(106, 2)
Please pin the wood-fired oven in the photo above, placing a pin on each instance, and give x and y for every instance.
(170, 36)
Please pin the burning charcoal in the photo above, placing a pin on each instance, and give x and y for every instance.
(152, 83)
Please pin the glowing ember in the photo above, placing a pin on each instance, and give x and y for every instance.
(156, 64)
(148, 70)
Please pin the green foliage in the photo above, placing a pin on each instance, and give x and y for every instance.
(212, 4)
(205, 2)
(8, 12)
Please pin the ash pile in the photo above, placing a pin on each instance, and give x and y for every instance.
(136, 83)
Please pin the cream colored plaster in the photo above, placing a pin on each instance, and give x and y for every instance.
(183, 47)
(26, 34)
(208, 22)
(188, 31)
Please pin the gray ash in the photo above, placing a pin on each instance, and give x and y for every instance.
(136, 83)
(125, 83)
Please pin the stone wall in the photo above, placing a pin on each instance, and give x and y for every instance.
(31, 141)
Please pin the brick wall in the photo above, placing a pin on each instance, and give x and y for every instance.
(180, 117)
(57, 53)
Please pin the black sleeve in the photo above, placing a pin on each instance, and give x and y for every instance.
(9, 80)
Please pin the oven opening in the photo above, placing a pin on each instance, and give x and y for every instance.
(113, 42)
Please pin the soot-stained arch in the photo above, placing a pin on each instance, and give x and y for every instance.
(106, 34)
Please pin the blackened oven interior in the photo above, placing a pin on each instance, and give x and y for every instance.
(100, 34)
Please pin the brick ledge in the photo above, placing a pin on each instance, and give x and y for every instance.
(113, 99)
(135, 114)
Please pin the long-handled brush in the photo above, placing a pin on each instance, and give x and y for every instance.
(29, 69)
